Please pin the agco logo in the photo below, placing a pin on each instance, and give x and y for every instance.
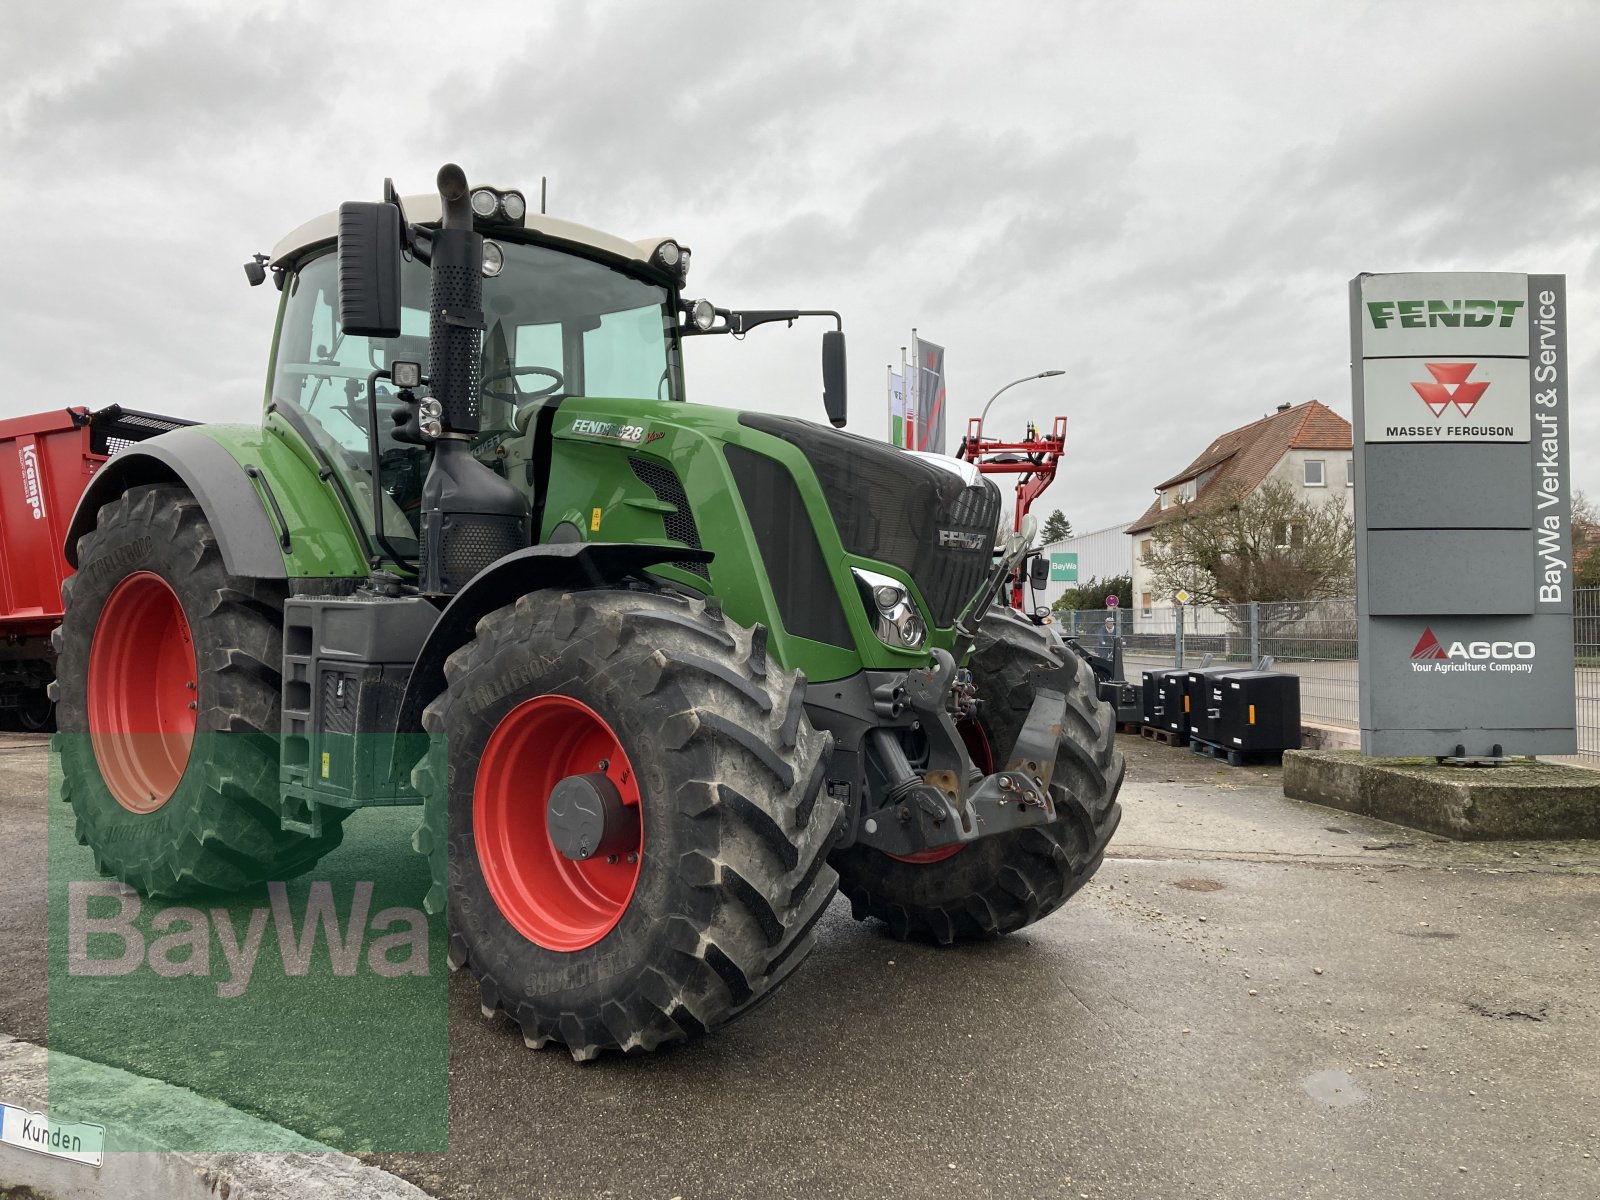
(1450, 386)
(1432, 654)
(32, 492)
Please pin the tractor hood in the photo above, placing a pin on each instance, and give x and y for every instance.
(914, 511)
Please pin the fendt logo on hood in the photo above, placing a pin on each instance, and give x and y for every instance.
(1450, 386)
(1504, 656)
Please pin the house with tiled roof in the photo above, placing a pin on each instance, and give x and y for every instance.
(1308, 446)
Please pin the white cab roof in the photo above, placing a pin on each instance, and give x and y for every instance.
(426, 210)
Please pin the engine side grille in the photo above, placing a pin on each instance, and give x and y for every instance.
(895, 508)
(679, 526)
(469, 542)
(808, 604)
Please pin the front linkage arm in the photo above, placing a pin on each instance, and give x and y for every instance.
(937, 809)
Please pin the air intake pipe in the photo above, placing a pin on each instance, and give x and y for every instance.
(470, 516)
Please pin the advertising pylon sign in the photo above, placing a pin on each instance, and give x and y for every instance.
(1463, 514)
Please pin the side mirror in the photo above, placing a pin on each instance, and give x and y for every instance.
(369, 269)
(833, 376)
(1039, 572)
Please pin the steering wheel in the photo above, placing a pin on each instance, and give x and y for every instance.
(519, 396)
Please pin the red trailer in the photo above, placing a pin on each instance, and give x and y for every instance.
(46, 461)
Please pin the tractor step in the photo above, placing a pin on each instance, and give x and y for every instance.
(1154, 733)
(1232, 755)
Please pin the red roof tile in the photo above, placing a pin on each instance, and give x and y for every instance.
(1244, 457)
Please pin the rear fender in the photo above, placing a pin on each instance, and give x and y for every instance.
(272, 516)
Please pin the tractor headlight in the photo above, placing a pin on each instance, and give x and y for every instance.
(494, 258)
(703, 313)
(894, 616)
(514, 205)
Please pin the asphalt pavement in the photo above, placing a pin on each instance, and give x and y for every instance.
(1254, 998)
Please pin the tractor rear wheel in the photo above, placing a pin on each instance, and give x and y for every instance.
(999, 884)
(168, 688)
(625, 805)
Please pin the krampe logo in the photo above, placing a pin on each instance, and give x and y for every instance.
(1428, 647)
(1449, 387)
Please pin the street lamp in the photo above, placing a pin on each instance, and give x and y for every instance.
(1012, 384)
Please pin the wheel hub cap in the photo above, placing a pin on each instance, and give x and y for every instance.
(557, 822)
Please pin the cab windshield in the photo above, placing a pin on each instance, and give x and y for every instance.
(557, 326)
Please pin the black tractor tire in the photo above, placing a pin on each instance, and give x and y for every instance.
(36, 714)
(1000, 884)
(732, 869)
(219, 831)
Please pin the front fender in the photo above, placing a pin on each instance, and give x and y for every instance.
(561, 567)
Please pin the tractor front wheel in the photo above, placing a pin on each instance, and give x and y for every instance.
(999, 884)
(625, 807)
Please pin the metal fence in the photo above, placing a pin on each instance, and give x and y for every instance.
(1316, 641)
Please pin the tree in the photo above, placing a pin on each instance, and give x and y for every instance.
(1585, 542)
(1056, 528)
(1092, 595)
(1269, 545)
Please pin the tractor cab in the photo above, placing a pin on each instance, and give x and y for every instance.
(567, 311)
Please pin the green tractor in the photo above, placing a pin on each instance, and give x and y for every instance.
(662, 677)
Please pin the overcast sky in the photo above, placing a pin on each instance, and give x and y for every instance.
(1164, 200)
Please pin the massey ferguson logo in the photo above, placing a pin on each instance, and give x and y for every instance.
(1450, 386)
(1430, 654)
(32, 493)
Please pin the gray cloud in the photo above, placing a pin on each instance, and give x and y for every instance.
(1165, 201)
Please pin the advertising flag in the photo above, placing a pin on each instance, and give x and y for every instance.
(930, 395)
(897, 408)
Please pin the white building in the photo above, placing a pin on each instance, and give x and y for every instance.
(1101, 555)
(1306, 445)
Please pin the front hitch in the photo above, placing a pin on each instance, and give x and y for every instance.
(951, 803)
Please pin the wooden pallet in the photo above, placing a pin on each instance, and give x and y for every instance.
(1233, 756)
(1154, 733)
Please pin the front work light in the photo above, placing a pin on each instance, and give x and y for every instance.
(514, 205)
(494, 258)
(890, 609)
(405, 374)
(704, 314)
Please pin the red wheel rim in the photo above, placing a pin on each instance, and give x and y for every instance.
(977, 743)
(142, 692)
(550, 899)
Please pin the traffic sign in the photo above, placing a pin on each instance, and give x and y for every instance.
(1111, 600)
(1182, 596)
